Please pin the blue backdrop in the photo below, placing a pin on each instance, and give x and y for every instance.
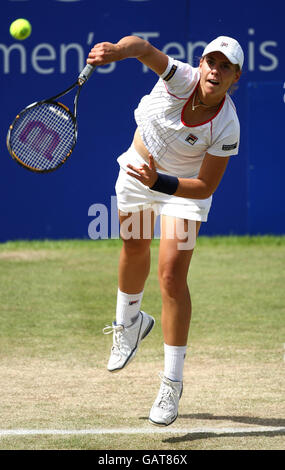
(64, 203)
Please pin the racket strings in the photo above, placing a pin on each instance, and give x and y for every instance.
(43, 136)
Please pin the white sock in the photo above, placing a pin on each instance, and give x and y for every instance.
(174, 362)
(128, 306)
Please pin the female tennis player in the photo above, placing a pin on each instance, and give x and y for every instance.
(187, 128)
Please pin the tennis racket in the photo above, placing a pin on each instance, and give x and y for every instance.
(43, 135)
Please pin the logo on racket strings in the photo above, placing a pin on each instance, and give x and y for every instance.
(36, 134)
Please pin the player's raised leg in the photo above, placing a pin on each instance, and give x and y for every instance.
(132, 324)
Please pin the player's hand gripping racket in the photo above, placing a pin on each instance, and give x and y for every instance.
(44, 134)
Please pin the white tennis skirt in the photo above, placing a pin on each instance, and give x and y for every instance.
(133, 196)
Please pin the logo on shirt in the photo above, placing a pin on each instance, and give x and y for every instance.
(191, 138)
(229, 147)
(171, 73)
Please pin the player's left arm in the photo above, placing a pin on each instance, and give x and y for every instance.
(202, 187)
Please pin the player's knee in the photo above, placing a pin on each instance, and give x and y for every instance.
(171, 283)
(136, 247)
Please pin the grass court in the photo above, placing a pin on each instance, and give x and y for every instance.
(57, 296)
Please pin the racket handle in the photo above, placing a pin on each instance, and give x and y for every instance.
(86, 74)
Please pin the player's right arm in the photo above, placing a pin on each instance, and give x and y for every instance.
(129, 47)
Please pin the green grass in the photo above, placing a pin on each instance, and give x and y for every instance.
(244, 291)
(65, 287)
(56, 296)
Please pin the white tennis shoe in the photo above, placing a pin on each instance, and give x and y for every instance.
(126, 340)
(164, 411)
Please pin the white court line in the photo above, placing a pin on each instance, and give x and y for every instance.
(204, 430)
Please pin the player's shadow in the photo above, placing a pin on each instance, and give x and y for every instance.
(250, 420)
(193, 436)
